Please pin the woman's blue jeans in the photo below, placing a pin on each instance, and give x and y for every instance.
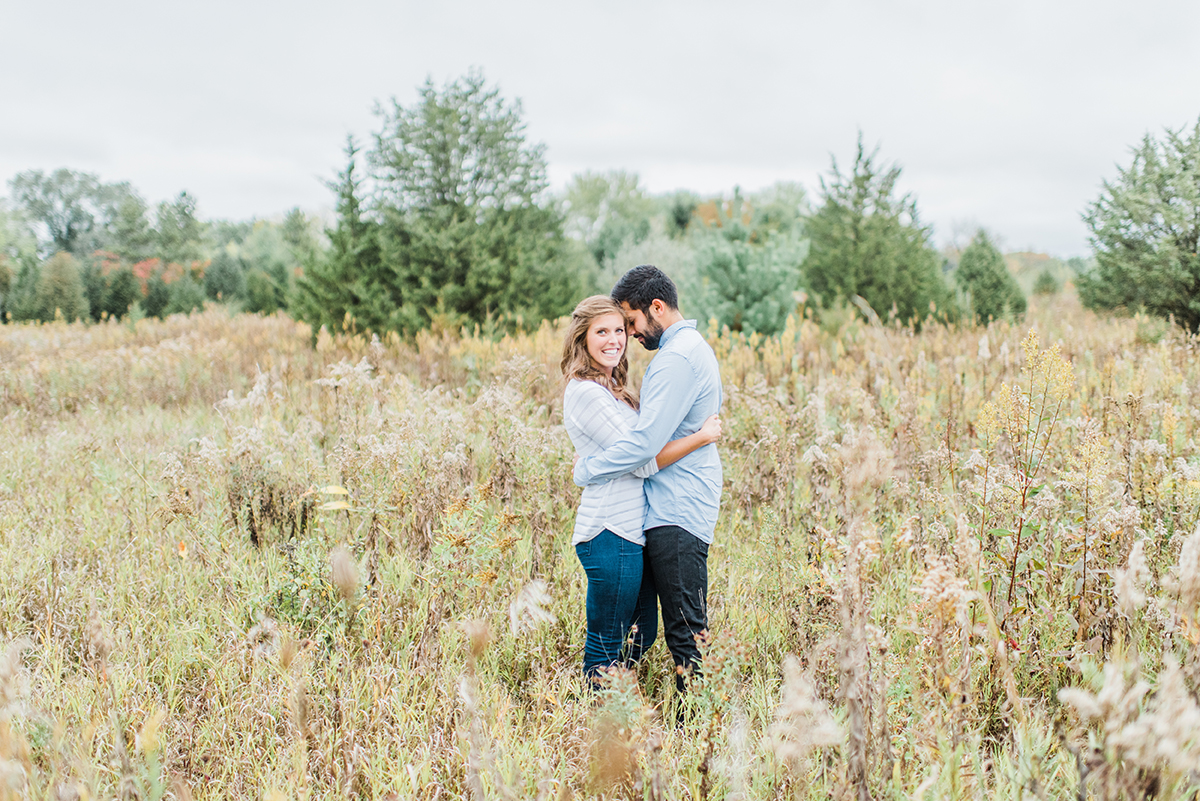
(614, 571)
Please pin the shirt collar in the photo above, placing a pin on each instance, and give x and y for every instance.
(674, 329)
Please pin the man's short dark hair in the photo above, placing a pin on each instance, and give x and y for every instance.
(644, 284)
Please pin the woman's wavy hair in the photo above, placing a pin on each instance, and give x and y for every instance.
(575, 360)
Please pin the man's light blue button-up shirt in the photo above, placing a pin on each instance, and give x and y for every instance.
(681, 390)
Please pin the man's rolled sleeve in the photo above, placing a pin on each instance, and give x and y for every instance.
(668, 392)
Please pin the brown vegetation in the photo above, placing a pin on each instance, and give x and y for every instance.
(958, 563)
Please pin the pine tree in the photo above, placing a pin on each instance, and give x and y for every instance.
(462, 228)
(225, 278)
(158, 295)
(1046, 283)
(982, 275)
(121, 292)
(349, 280)
(1146, 233)
(60, 289)
(749, 275)
(185, 296)
(21, 302)
(866, 242)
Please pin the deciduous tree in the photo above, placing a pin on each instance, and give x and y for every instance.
(606, 210)
(64, 203)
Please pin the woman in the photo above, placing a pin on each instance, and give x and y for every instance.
(598, 409)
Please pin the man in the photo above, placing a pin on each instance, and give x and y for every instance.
(681, 389)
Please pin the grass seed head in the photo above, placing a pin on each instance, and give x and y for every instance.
(1187, 573)
(299, 707)
(1131, 581)
(97, 641)
(344, 572)
(802, 721)
(288, 652)
(531, 609)
(263, 637)
(479, 636)
(10, 674)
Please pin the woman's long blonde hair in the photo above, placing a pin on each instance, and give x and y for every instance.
(575, 360)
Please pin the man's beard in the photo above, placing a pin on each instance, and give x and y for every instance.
(650, 338)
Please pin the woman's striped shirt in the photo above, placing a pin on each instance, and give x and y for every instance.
(595, 419)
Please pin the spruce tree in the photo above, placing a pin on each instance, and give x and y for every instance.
(983, 277)
(748, 275)
(60, 289)
(867, 242)
(349, 282)
(185, 296)
(1046, 283)
(225, 278)
(464, 231)
(21, 301)
(121, 292)
(158, 295)
(1146, 233)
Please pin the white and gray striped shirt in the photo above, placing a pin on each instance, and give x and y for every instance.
(595, 419)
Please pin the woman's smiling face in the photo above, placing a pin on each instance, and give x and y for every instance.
(606, 341)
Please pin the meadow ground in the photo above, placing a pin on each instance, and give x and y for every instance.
(950, 563)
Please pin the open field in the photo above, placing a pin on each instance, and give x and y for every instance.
(238, 566)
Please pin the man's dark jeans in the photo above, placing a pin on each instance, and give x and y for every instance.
(676, 574)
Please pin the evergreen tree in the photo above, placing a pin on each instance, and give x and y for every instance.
(60, 289)
(299, 238)
(269, 266)
(1146, 233)
(94, 285)
(225, 278)
(680, 209)
(780, 208)
(748, 275)
(606, 210)
(463, 231)
(982, 275)
(158, 295)
(262, 293)
(349, 279)
(7, 278)
(21, 302)
(178, 232)
(120, 293)
(185, 296)
(1046, 283)
(128, 232)
(867, 242)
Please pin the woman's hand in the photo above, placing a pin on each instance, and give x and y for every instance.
(711, 430)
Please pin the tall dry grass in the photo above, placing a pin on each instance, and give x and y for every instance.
(951, 563)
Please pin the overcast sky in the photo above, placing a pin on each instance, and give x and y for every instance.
(1006, 115)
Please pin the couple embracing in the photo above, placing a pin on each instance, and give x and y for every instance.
(650, 471)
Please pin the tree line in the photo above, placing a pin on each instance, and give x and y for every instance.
(74, 247)
(445, 219)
